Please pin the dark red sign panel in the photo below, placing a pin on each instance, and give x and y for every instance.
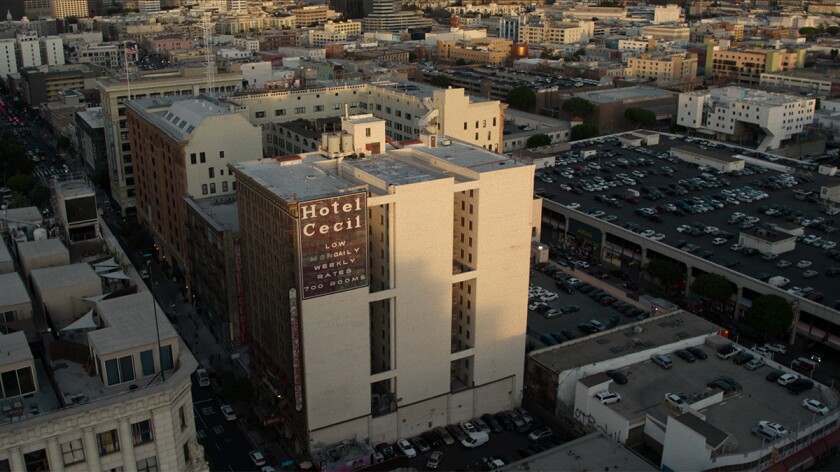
(333, 244)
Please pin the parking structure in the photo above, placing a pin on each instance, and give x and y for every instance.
(625, 205)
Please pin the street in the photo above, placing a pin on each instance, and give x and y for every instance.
(226, 446)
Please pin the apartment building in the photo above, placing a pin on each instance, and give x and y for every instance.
(313, 14)
(820, 84)
(122, 404)
(387, 15)
(435, 235)
(673, 33)
(114, 92)
(746, 65)
(181, 148)
(408, 109)
(106, 55)
(663, 66)
(587, 12)
(29, 50)
(62, 9)
(736, 113)
(557, 33)
(480, 51)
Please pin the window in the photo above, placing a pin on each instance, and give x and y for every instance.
(465, 125)
(73, 451)
(204, 189)
(367, 132)
(280, 112)
(388, 110)
(398, 113)
(224, 186)
(336, 106)
(202, 157)
(213, 187)
(378, 107)
(211, 172)
(221, 154)
(192, 158)
(142, 432)
(119, 370)
(17, 382)
(182, 417)
(300, 110)
(8, 316)
(319, 108)
(108, 442)
(147, 362)
(166, 357)
(147, 465)
(260, 114)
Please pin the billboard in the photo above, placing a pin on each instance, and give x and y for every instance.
(332, 234)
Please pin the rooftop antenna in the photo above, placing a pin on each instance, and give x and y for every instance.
(209, 57)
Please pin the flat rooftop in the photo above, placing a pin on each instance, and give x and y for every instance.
(221, 212)
(129, 322)
(741, 94)
(708, 153)
(467, 156)
(14, 348)
(75, 188)
(5, 255)
(41, 248)
(735, 415)
(50, 278)
(623, 94)
(295, 178)
(12, 290)
(28, 214)
(394, 171)
(624, 339)
(591, 452)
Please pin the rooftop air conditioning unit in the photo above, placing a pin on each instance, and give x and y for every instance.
(445, 142)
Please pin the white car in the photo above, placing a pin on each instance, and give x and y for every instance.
(406, 448)
(815, 406)
(763, 352)
(573, 205)
(787, 378)
(711, 230)
(468, 428)
(257, 458)
(775, 427)
(804, 264)
(608, 397)
(228, 413)
(658, 237)
(736, 247)
(674, 400)
(648, 233)
(776, 347)
(718, 241)
(683, 228)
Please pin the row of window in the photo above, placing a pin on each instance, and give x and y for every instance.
(202, 157)
(483, 122)
(121, 369)
(212, 187)
(107, 442)
(17, 382)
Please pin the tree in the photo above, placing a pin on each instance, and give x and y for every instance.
(578, 107)
(770, 314)
(714, 287)
(522, 98)
(20, 183)
(63, 142)
(13, 158)
(640, 116)
(809, 31)
(537, 140)
(833, 30)
(40, 196)
(669, 273)
(583, 131)
(440, 80)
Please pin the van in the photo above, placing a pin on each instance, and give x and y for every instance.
(203, 378)
(632, 192)
(475, 439)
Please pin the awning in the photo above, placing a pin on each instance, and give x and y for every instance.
(107, 263)
(104, 270)
(119, 275)
(94, 298)
(797, 460)
(85, 322)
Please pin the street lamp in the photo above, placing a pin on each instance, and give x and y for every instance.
(157, 328)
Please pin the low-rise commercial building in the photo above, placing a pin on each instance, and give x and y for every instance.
(820, 84)
(556, 33)
(610, 105)
(720, 161)
(742, 115)
(747, 65)
(663, 66)
(480, 51)
(673, 33)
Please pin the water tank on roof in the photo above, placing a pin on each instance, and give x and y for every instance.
(333, 144)
(346, 142)
(39, 234)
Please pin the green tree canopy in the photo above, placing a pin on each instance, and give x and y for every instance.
(63, 142)
(20, 183)
(833, 30)
(716, 288)
(640, 116)
(583, 131)
(809, 31)
(770, 314)
(40, 196)
(668, 272)
(538, 140)
(578, 107)
(13, 158)
(522, 98)
(441, 81)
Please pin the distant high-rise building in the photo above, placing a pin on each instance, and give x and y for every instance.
(29, 51)
(148, 6)
(36, 8)
(352, 9)
(13, 8)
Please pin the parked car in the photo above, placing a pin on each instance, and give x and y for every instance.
(517, 420)
(420, 445)
(432, 439)
(800, 385)
(523, 413)
(257, 458)
(815, 406)
(434, 460)
(406, 448)
(765, 434)
(457, 433)
(728, 352)
(776, 427)
(685, 355)
(674, 400)
(468, 428)
(698, 353)
(742, 358)
(491, 421)
(444, 435)
(608, 397)
(755, 363)
(228, 413)
(661, 360)
(539, 433)
(481, 425)
(787, 379)
(617, 377)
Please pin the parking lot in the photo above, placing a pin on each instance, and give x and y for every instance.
(692, 208)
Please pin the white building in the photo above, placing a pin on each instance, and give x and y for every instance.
(128, 407)
(62, 9)
(148, 7)
(248, 44)
(28, 50)
(435, 241)
(727, 112)
(8, 58)
(667, 14)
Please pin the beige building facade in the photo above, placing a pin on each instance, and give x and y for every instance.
(558, 33)
(431, 277)
(663, 66)
(746, 66)
(480, 51)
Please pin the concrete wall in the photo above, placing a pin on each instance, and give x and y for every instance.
(42, 262)
(65, 303)
(684, 448)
